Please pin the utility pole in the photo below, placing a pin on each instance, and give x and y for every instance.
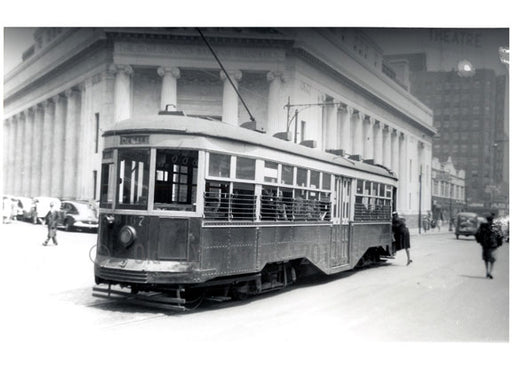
(419, 207)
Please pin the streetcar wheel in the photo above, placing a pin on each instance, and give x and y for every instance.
(193, 299)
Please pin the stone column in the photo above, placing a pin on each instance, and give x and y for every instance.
(6, 156)
(71, 144)
(422, 171)
(37, 155)
(395, 156)
(378, 155)
(274, 107)
(332, 127)
(230, 97)
(46, 153)
(404, 174)
(122, 91)
(346, 129)
(12, 160)
(27, 153)
(368, 137)
(386, 146)
(358, 133)
(58, 147)
(169, 94)
(84, 150)
(18, 155)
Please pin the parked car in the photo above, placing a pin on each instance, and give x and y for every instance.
(41, 206)
(24, 208)
(9, 209)
(76, 214)
(466, 223)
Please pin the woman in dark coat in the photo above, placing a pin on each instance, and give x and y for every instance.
(490, 238)
(401, 234)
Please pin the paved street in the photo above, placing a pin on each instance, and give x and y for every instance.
(441, 297)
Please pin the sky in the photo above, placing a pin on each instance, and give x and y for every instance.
(16, 41)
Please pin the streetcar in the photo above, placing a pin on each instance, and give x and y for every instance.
(192, 208)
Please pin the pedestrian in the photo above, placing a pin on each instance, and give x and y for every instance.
(490, 238)
(51, 221)
(401, 235)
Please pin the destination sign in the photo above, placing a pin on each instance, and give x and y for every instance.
(134, 140)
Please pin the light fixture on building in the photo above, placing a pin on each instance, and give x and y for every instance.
(465, 69)
(504, 54)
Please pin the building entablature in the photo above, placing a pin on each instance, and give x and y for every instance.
(371, 81)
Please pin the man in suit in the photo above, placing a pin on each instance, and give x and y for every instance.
(51, 220)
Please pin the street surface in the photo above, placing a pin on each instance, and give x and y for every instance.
(443, 296)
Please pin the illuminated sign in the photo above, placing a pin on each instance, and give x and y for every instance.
(134, 140)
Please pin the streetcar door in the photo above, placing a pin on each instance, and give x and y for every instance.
(339, 243)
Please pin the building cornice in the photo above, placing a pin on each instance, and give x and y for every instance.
(191, 36)
(308, 57)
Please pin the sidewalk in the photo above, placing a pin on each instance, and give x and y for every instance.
(436, 231)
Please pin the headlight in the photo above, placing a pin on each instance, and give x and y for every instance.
(127, 235)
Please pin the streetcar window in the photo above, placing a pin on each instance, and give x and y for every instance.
(326, 181)
(314, 180)
(270, 172)
(375, 189)
(381, 190)
(302, 177)
(359, 189)
(243, 202)
(108, 183)
(272, 207)
(287, 175)
(372, 203)
(367, 187)
(133, 178)
(220, 165)
(216, 204)
(245, 168)
(325, 206)
(176, 180)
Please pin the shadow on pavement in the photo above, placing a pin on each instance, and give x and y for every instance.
(474, 277)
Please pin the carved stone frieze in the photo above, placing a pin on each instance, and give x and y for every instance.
(185, 51)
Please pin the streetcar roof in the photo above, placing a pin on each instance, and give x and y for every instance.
(186, 125)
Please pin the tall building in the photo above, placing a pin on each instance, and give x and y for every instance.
(74, 83)
(466, 114)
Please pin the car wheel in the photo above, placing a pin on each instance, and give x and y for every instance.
(457, 235)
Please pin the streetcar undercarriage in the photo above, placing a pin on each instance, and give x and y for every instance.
(183, 297)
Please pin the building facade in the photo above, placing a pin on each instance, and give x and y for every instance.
(448, 190)
(472, 130)
(76, 82)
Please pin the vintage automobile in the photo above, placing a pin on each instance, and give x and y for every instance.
(78, 215)
(24, 208)
(466, 223)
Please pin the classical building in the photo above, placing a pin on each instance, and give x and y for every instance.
(74, 83)
(448, 190)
